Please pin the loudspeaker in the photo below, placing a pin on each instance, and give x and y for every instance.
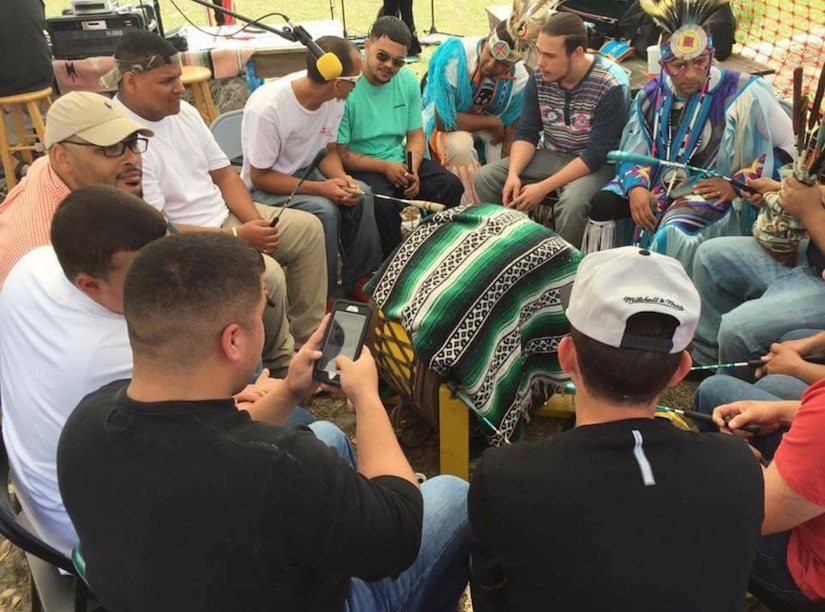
(80, 36)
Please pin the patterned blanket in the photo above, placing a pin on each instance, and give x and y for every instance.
(481, 291)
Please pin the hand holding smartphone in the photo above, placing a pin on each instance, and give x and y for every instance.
(344, 335)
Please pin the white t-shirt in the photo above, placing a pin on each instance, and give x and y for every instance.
(56, 346)
(176, 168)
(279, 134)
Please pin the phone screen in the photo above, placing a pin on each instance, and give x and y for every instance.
(344, 334)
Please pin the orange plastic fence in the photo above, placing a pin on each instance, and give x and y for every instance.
(783, 34)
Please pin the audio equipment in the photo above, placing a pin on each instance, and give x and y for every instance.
(80, 36)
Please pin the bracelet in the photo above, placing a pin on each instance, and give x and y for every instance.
(235, 232)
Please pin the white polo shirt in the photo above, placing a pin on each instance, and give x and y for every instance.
(56, 346)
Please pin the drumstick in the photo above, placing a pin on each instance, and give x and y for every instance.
(638, 158)
(422, 204)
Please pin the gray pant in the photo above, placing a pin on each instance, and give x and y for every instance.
(573, 207)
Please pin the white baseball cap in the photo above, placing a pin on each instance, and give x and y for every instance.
(613, 285)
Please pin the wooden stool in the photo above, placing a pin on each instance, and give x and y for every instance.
(197, 79)
(27, 141)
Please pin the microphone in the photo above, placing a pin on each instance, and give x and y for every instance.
(309, 170)
(328, 64)
(647, 160)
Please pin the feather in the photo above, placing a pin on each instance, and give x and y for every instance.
(670, 15)
(527, 17)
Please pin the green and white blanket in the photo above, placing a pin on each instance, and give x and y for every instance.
(481, 291)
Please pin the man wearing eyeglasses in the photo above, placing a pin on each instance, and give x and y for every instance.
(698, 114)
(89, 141)
(381, 136)
(285, 124)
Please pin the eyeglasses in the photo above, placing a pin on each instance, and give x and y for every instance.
(383, 57)
(677, 67)
(135, 145)
(349, 79)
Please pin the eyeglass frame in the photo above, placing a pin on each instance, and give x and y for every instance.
(398, 62)
(695, 61)
(134, 144)
(349, 79)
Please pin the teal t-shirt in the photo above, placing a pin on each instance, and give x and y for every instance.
(376, 119)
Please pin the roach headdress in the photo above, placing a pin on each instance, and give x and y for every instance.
(684, 20)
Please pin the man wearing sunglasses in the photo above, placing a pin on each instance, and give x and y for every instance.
(381, 139)
(285, 124)
(698, 114)
(89, 141)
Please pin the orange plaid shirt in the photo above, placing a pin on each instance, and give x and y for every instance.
(26, 214)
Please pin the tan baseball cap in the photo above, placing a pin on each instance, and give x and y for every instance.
(90, 116)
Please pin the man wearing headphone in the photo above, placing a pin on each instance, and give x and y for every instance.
(286, 123)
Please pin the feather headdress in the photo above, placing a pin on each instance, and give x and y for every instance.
(525, 22)
(684, 20)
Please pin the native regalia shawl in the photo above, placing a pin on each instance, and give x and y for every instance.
(473, 93)
(481, 290)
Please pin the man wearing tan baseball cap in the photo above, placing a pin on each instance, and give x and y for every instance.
(89, 141)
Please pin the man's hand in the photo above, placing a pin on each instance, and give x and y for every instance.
(715, 190)
(262, 385)
(641, 207)
(497, 132)
(299, 380)
(359, 378)
(731, 417)
(259, 235)
(512, 187)
(331, 190)
(529, 197)
(414, 186)
(800, 199)
(782, 359)
(759, 187)
(397, 174)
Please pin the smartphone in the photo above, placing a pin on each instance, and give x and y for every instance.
(344, 336)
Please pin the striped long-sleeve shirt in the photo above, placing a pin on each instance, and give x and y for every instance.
(586, 120)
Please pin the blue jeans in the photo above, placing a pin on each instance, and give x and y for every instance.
(353, 226)
(770, 569)
(749, 300)
(438, 576)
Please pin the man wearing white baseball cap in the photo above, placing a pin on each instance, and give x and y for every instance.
(89, 141)
(642, 508)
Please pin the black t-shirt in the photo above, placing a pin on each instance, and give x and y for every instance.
(193, 506)
(25, 57)
(629, 515)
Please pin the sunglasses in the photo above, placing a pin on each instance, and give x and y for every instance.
(383, 57)
(135, 145)
(677, 67)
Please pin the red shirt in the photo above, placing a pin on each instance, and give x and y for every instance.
(800, 460)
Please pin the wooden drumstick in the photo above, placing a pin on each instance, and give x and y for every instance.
(422, 204)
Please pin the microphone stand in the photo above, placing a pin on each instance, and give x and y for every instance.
(293, 33)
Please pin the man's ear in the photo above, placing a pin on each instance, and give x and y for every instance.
(90, 285)
(685, 363)
(568, 359)
(128, 82)
(231, 342)
(59, 159)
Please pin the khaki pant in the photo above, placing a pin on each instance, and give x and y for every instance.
(296, 283)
